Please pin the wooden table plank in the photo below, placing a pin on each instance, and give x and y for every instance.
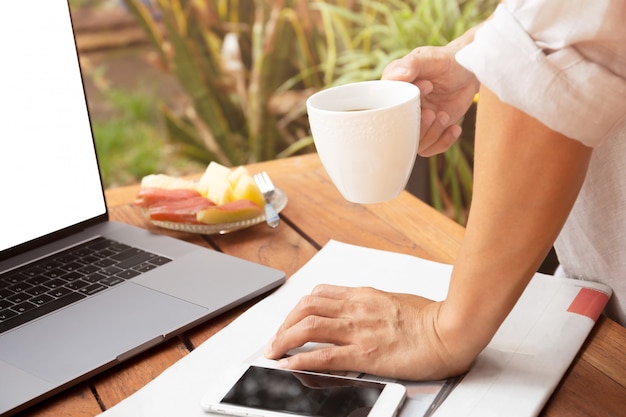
(607, 353)
(322, 214)
(585, 391)
(434, 237)
(120, 382)
(77, 401)
(281, 248)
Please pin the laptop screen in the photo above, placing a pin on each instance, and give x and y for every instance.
(48, 169)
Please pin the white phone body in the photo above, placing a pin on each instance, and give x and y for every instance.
(270, 392)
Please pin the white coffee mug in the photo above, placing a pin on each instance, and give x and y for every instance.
(366, 135)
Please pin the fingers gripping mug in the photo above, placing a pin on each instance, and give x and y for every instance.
(366, 135)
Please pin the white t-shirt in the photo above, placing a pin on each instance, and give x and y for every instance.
(564, 63)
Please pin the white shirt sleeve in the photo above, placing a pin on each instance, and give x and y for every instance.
(562, 62)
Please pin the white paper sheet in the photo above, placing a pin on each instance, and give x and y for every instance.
(514, 376)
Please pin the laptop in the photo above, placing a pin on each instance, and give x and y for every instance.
(80, 293)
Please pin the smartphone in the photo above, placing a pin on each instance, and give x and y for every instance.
(256, 391)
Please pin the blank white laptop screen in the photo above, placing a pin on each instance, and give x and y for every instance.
(49, 180)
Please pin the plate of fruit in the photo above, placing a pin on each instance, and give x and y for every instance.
(223, 200)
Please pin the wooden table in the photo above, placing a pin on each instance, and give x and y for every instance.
(595, 384)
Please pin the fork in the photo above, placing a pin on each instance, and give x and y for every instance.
(267, 188)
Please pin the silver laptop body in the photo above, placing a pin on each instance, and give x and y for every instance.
(52, 199)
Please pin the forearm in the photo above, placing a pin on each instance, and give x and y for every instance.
(527, 178)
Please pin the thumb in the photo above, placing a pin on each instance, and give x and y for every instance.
(397, 70)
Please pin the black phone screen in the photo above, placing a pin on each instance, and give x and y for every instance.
(303, 394)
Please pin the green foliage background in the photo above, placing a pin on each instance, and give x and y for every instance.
(249, 65)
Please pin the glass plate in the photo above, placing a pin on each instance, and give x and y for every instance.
(278, 200)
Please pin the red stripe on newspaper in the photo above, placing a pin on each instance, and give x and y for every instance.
(589, 302)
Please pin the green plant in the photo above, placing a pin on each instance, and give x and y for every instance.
(130, 139)
(76, 4)
(234, 59)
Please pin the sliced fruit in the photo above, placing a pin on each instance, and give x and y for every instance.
(166, 182)
(220, 193)
(229, 212)
(214, 175)
(234, 194)
(154, 195)
(183, 211)
(247, 189)
(236, 174)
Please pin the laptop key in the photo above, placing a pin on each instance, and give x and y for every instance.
(119, 247)
(23, 307)
(15, 278)
(88, 259)
(77, 285)
(40, 289)
(128, 253)
(111, 270)
(4, 293)
(59, 292)
(56, 283)
(94, 277)
(66, 259)
(111, 281)
(82, 252)
(54, 273)
(144, 267)
(41, 299)
(93, 288)
(33, 271)
(38, 280)
(104, 253)
(19, 287)
(135, 260)
(34, 313)
(6, 314)
(160, 260)
(72, 276)
(99, 243)
(128, 274)
(88, 269)
(18, 298)
(50, 265)
(103, 263)
(72, 266)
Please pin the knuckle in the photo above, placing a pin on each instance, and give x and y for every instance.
(310, 324)
(369, 290)
(326, 356)
(308, 304)
(328, 290)
(319, 288)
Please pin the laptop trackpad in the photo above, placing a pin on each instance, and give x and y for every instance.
(94, 333)
(22, 388)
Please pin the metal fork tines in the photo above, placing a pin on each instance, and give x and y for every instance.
(266, 186)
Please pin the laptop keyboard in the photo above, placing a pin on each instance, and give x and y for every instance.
(66, 277)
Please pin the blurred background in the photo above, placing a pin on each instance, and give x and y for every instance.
(175, 84)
